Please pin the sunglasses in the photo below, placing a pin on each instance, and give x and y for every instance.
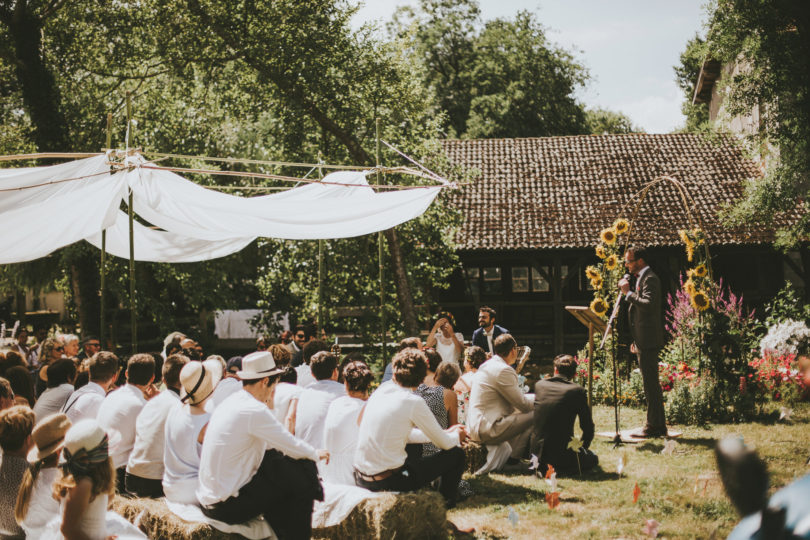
(93, 344)
(59, 348)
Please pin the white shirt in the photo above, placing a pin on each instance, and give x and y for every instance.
(284, 394)
(305, 377)
(638, 280)
(181, 454)
(313, 404)
(340, 431)
(391, 413)
(52, 400)
(42, 507)
(224, 388)
(240, 431)
(146, 459)
(446, 347)
(117, 416)
(85, 402)
(489, 338)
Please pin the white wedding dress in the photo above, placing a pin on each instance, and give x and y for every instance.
(97, 523)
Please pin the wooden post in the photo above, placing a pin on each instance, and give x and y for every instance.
(132, 302)
(380, 254)
(103, 269)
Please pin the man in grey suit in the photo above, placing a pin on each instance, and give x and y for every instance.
(647, 330)
(499, 411)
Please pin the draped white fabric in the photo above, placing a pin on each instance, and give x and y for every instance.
(194, 223)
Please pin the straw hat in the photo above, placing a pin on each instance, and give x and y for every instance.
(85, 434)
(199, 380)
(258, 365)
(49, 436)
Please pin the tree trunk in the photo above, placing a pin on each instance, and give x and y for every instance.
(84, 281)
(404, 294)
(38, 86)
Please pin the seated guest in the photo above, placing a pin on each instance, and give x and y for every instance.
(487, 331)
(85, 402)
(90, 346)
(285, 397)
(16, 424)
(499, 411)
(251, 466)
(444, 338)
(441, 401)
(229, 382)
(340, 426)
(6, 394)
(71, 343)
(473, 358)
(301, 336)
(313, 403)
(35, 503)
(557, 403)
(354, 356)
(313, 347)
(145, 465)
(9, 360)
(406, 343)
(22, 385)
(84, 489)
(381, 462)
(61, 375)
(185, 431)
(119, 412)
(280, 354)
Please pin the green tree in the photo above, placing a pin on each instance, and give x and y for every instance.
(501, 78)
(686, 75)
(770, 41)
(603, 121)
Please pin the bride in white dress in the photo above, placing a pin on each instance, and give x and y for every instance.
(85, 488)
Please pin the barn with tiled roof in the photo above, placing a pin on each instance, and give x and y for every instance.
(534, 208)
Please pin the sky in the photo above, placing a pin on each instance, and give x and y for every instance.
(628, 46)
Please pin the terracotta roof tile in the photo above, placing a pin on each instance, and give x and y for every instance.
(559, 192)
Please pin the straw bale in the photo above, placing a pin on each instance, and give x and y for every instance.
(403, 516)
(475, 455)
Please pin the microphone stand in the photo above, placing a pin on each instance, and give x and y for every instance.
(611, 329)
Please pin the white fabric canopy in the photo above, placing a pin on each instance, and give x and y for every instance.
(196, 223)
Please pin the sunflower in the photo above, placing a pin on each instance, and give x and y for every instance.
(700, 301)
(596, 282)
(697, 234)
(600, 251)
(599, 306)
(689, 287)
(621, 226)
(701, 270)
(684, 237)
(690, 273)
(611, 262)
(608, 236)
(690, 251)
(592, 273)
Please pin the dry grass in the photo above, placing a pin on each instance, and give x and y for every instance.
(681, 492)
(156, 521)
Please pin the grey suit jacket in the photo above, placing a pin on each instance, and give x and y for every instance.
(644, 312)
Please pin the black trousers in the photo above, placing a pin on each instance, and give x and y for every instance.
(565, 461)
(120, 482)
(282, 490)
(143, 487)
(419, 472)
(648, 363)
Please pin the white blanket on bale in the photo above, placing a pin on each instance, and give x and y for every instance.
(339, 501)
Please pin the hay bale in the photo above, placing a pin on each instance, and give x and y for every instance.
(402, 516)
(475, 455)
(155, 519)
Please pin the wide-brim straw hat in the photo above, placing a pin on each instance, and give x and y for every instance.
(258, 365)
(49, 436)
(85, 434)
(199, 380)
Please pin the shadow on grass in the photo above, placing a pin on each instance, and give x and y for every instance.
(491, 490)
(705, 442)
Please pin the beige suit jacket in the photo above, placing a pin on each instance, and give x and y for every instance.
(494, 398)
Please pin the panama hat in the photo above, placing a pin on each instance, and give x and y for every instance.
(199, 380)
(258, 365)
(49, 436)
(84, 435)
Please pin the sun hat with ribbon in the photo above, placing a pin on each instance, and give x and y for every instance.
(86, 444)
(199, 380)
(49, 436)
(258, 365)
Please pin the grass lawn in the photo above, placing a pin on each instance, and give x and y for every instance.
(682, 491)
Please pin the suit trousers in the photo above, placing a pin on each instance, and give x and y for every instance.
(648, 363)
